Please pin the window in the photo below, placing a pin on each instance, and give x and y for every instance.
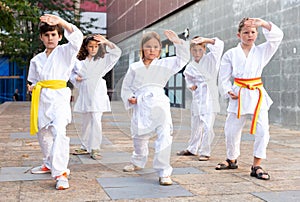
(175, 88)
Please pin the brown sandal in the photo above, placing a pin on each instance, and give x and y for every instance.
(231, 165)
(185, 153)
(260, 174)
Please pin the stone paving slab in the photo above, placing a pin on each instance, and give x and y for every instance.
(76, 141)
(182, 128)
(186, 171)
(176, 171)
(139, 187)
(287, 196)
(8, 174)
(115, 157)
(22, 135)
(119, 124)
(178, 146)
(107, 158)
(247, 137)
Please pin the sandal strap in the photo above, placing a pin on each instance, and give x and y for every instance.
(255, 168)
(230, 162)
(263, 173)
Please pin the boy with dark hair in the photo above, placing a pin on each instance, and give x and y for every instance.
(49, 72)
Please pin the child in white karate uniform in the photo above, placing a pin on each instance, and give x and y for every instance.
(201, 78)
(143, 91)
(247, 96)
(49, 72)
(97, 57)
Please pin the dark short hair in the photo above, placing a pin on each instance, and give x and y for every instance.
(83, 52)
(242, 24)
(44, 27)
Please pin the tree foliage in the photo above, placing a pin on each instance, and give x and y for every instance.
(19, 37)
(17, 30)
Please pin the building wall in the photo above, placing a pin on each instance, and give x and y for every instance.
(127, 17)
(92, 7)
(220, 18)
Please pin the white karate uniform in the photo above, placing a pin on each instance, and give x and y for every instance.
(205, 103)
(93, 100)
(152, 111)
(54, 107)
(235, 64)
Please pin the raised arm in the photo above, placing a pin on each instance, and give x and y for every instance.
(102, 40)
(182, 52)
(274, 37)
(216, 47)
(173, 37)
(257, 22)
(56, 20)
(113, 53)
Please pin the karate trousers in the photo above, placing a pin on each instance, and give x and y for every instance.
(91, 135)
(233, 132)
(202, 134)
(55, 146)
(162, 146)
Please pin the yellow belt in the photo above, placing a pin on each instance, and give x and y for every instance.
(53, 84)
(251, 84)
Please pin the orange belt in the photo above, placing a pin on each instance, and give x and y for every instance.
(53, 84)
(251, 84)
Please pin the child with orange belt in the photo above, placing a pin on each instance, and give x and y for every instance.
(247, 95)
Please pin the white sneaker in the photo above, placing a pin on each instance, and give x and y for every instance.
(62, 182)
(165, 181)
(40, 170)
(131, 168)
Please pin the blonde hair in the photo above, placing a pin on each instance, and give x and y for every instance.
(146, 37)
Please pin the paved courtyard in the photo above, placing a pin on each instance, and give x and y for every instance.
(104, 180)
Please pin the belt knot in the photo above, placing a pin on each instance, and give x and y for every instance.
(251, 84)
